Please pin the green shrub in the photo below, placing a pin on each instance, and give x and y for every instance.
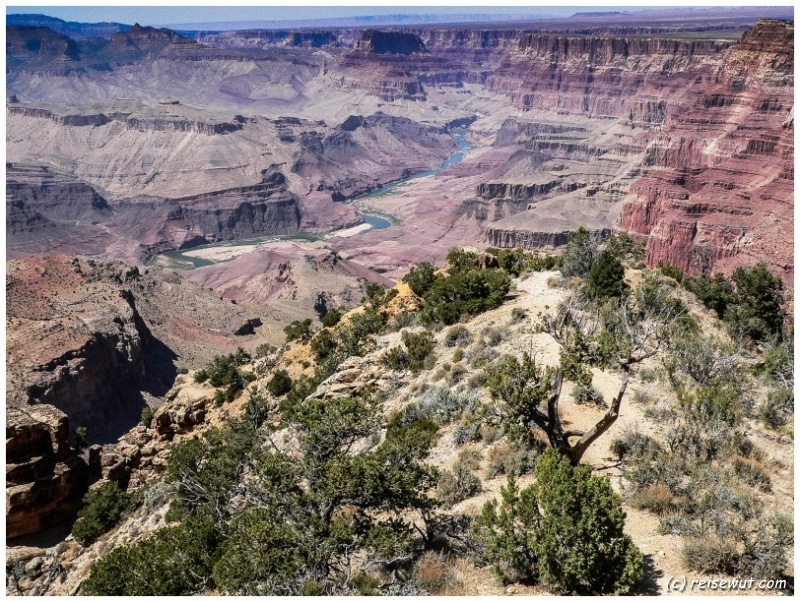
(752, 472)
(458, 354)
(480, 356)
(174, 561)
(456, 375)
(469, 457)
(420, 348)
(579, 254)
(494, 336)
(711, 554)
(717, 401)
(323, 345)
(458, 336)
(298, 331)
(766, 553)
(581, 545)
(777, 408)
(624, 247)
(280, 383)
(518, 315)
(671, 271)
(606, 278)
(444, 404)
(778, 363)
(265, 350)
(396, 358)
(356, 337)
(464, 293)
(461, 260)
(332, 317)
(503, 459)
(565, 530)
(588, 394)
(224, 371)
(421, 278)
(714, 293)
(648, 375)
(402, 321)
(457, 485)
(677, 524)
(757, 310)
(468, 431)
(147, 416)
(102, 508)
(517, 261)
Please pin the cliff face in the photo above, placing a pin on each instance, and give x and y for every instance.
(73, 342)
(718, 186)
(88, 344)
(90, 337)
(608, 76)
(44, 479)
(52, 213)
(390, 42)
(133, 122)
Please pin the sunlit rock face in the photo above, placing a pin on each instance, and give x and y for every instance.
(717, 189)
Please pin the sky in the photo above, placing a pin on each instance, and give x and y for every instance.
(160, 16)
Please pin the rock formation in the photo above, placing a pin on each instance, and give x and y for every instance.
(44, 479)
(88, 344)
(390, 42)
(717, 189)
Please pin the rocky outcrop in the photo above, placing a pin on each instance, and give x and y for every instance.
(390, 42)
(80, 337)
(74, 342)
(134, 122)
(41, 44)
(44, 479)
(718, 187)
(40, 202)
(287, 278)
(88, 344)
(529, 239)
(388, 80)
(187, 407)
(57, 197)
(262, 209)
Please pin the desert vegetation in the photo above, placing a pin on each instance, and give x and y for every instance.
(323, 493)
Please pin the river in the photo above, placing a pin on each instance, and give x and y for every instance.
(185, 259)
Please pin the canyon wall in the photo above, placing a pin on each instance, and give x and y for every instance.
(717, 190)
(90, 344)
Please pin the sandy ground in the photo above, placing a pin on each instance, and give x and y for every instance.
(348, 232)
(222, 253)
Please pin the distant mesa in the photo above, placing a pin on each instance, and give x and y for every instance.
(168, 100)
(390, 42)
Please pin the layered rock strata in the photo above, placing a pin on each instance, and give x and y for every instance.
(44, 479)
(717, 190)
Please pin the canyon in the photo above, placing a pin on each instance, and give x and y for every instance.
(127, 142)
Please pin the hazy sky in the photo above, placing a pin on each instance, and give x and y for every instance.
(173, 15)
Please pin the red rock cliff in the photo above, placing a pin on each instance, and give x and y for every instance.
(717, 191)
